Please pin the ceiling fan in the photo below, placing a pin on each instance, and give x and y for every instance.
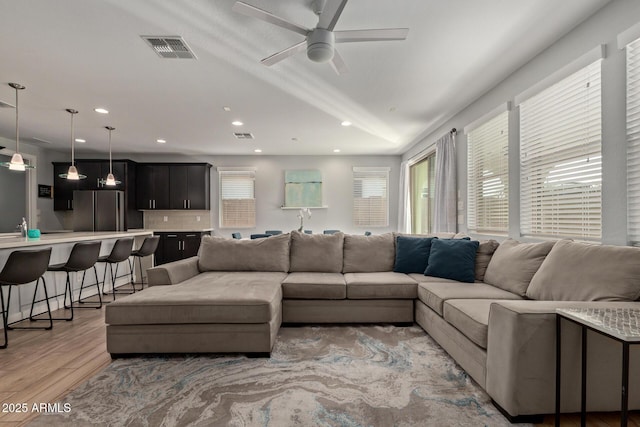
(319, 41)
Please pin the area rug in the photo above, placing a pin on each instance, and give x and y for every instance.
(316, 376)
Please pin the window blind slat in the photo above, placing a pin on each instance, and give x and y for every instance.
(237, 199)
(633, 141)
(370, 198)
(561, 158)
(488, 177)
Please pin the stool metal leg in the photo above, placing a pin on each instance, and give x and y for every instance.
(67, 289)
(46, 296)
(5, 314)
(80, 301)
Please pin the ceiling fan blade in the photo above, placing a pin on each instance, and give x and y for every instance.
(283, 54)
(331, 13)
(338, 64)
(247, 9)
(371, 35)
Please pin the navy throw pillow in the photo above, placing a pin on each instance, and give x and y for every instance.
(453, 259)
(412, 254)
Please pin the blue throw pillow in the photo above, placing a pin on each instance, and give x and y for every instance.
(453, 259)
(412, 254)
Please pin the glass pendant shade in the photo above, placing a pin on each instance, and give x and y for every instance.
(17, 162)
(111, 180)
(72, 173)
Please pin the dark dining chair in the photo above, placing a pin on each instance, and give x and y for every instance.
(83, 256)
(331, 231)
(260, 236)
(236, 235)
(273, 232)
(24, 267)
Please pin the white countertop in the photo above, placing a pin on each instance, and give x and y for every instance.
(72, 237)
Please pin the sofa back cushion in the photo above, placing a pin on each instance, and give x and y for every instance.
(453, 259)
(316, 252)
(268, 254)
(367, 254)
(585, 272)
(485, 252)
(513, 265)
(412, 254)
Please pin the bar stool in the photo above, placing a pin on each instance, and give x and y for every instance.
(83, 256)
(23, 267)
(149, 247)
(121, 252)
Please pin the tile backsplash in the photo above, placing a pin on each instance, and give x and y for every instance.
(177, 220)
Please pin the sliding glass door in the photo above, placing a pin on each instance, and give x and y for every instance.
(422, 194)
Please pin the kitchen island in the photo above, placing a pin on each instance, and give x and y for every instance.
(61, 244)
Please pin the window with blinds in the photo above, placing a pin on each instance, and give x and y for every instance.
(237, 199)
(370, 197)
(488, 176)
(561, 160)
(633, 140)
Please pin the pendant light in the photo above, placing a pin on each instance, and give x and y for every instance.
(17, 162)
(111, 180)
(72, 173)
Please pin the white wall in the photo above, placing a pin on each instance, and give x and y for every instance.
(602, 28)
(44, 217)
(337, 188)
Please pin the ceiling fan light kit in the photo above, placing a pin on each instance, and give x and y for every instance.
(320, 41)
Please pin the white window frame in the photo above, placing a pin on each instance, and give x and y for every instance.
(488, 172)
(370, 210)
(561, 153)
(243, 205)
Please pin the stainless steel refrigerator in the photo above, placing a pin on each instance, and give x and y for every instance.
(101, 210)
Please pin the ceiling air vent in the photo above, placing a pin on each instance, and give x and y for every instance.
(240, 135)
(169, 46)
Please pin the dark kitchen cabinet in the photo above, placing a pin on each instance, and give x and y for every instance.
(153, 186)
(96, 171)
(180, 186)
(62, 188)
(174, 246)
(189, 187)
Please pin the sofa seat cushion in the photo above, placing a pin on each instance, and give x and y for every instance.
(380, 285)
(232, 298)
(436, 292)
(313, 285)
(469, 316)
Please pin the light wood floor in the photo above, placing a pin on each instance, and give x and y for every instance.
(43, 366)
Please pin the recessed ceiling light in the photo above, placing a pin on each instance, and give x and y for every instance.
(80, 140)
(295, 139)
(161, 141)
(257, 150)
(227, 109)
(346, 123)
(101, 110)
(337, 150)
(237, 123)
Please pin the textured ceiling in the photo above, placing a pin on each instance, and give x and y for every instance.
(84, 54)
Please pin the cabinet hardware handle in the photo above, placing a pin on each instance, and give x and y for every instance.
(172, 235)
(154, 203)
(189, 204)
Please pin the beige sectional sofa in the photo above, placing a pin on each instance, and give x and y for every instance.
(500, 328)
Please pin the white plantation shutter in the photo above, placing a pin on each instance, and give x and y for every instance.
(488, 176)
(370, 197)
(561, 160)
(633, 140)
(237, 198)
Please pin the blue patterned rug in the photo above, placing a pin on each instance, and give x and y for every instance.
(316, 376)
